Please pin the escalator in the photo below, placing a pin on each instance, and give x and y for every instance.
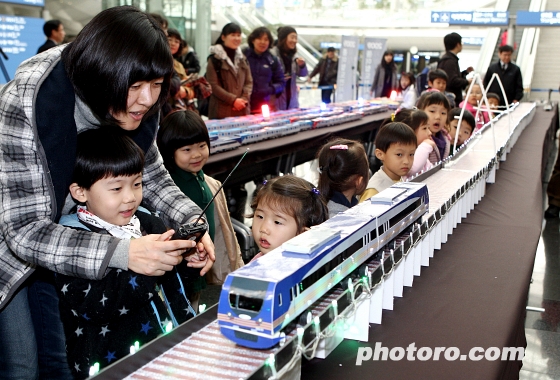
(545, 71)
(514, 6)
(250, 18)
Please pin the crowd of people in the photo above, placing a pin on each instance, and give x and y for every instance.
(94, 183)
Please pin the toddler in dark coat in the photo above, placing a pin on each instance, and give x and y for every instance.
(103, 318)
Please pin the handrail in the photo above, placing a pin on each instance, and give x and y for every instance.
(528, 47)
(252, 20)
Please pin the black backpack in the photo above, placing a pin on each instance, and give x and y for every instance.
(204, 103)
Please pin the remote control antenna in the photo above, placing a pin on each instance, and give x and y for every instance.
(223, 183)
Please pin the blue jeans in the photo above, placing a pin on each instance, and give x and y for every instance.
(18, 351)
(326, 95)
(33, 342)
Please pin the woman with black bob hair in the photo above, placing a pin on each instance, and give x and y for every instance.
(268, 77)
(385, 77)
(106, 60)
(229, 75)
(292, 65)
(114, 75)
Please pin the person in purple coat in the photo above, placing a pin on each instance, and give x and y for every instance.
(268, 76)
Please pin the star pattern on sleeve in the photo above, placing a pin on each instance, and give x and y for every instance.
(150, 295)
(146, 327)
(74, 312)
(110, 356)
(85, 317)
(104, 330)
(79, 331)
(77, 367)
(133, 282)
(64, 288)
(87, 290)
(165, 322)
(123, 311)
(103, 299)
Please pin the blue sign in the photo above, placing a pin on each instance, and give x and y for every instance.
(549, 18)
(20, 37)
(471, 18)
(39, 3)
(473, 41)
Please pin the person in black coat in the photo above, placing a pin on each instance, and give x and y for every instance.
(189, 60)
(268, 76)
(327, 68)
(54, 30)
(449, 63)
(510, 75)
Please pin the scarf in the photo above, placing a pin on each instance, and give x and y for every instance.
(439, 139)
(230, 53)
(128, 231)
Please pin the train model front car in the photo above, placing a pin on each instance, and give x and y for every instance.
(259, 300)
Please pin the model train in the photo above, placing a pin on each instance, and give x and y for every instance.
(260, 299)
(254, 128)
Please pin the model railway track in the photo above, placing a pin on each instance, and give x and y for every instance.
(197, 349)
(201, 356)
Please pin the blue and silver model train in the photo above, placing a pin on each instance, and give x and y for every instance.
(261, 298)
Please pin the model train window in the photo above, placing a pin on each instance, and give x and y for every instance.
(321, 272)
(372, 235)
(401, 215)
(233, 300)
(249, 304)
(247, 294)
(328, 267)
(353, 248)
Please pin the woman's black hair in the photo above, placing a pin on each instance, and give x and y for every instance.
(433, 97)
(177, 130)
(293, 196)
(105, 152)
(390, 64)
(414, 118)
(258, 33)
(340, 167)
(283, 33)
(229, 28)
(394, 133)
(175, 33)
(174, 87)
(117, 48)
